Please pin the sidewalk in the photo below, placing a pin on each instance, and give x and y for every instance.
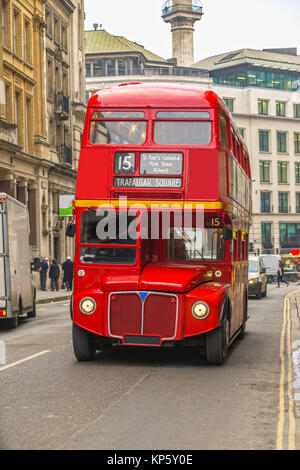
(290, 370)
(44, 297)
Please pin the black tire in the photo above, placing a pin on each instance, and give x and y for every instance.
(32, 314)
(71, 307)
(265, 292)
(12, 323)
(258, 296)
(245, 316)
(83, 344)
(217, 344)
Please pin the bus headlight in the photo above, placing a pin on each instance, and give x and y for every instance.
(200, 310)
(87, 305)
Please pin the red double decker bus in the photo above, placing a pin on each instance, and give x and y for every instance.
(162, 215)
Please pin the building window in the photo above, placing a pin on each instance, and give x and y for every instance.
(50, 79)
(56, 30)
(256, 78)
(297, 172)
(283, 203)
(282, 168)
(264, 141)
(97, 68)
(27, 42)
(266, 235)
(65, 83)
(264, 169)
(242, 132)
(263, 107)
(230, 103)
(18, 116)
(296, 110)
(87, 96)
(297, 142)
(28, 115)
(88, 69)
(122, 69)
(7, 106)
(4, 21)
(49, 24)
(289, 235)
(298, 203)
(16, 32)
(64, 37)
(280, 108)
(265, 201)
(281, 142)
(111, 67)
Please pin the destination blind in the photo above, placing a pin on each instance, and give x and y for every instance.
(140, 182)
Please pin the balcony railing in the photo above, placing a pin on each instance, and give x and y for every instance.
(194, 7)
(166, 71)
(61, 106)
(65, 155)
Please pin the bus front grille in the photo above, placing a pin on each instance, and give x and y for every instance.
(143, 313)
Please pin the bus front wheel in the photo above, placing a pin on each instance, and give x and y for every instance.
(83, 344)
(217, 344)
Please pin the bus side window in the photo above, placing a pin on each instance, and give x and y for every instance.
(244, 246)
(223, 133)
(239, 245)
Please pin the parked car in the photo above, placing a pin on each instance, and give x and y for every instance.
(257, 277)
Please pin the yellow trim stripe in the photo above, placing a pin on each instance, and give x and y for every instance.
(135, 203)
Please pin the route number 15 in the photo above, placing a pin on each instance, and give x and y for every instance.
(124, 163)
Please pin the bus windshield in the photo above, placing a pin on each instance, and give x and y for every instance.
(182, 132)
(118, 132)
(195, 244)
(106, 230)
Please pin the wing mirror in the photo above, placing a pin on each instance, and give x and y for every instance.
(227, 232)
(71, 230)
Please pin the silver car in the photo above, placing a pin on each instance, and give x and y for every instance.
(257, 278)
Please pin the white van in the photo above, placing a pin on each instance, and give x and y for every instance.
(17, 292)
(271, 265)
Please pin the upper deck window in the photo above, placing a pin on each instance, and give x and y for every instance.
(118, 127)
(182, 115)
(118, 115)
(182, 132)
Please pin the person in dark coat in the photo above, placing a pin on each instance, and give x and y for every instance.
(44, 266)
(280, 274)
(67, 267)
(54, 275)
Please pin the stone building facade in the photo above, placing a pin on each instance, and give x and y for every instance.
(41, 115)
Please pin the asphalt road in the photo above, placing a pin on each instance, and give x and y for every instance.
(139, 398)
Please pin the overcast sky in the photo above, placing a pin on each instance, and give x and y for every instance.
(225, 26)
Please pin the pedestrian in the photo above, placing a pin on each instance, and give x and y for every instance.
(44, 266)
(280, 275)
(67, 267)
(54, 275)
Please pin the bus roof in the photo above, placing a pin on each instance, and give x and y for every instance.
(155, 96)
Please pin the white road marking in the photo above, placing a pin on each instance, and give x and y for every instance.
(8, 366)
